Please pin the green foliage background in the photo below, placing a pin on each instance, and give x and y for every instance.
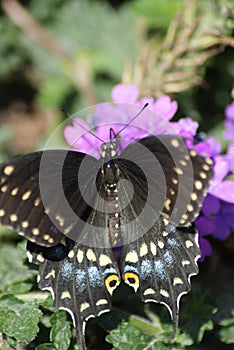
(71, 55)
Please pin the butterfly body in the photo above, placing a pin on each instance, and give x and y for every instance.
(74, 209)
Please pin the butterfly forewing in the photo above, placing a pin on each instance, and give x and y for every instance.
(40, 196)
(21, 205)
(177, 178)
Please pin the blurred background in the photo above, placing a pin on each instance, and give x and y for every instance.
(70, 54)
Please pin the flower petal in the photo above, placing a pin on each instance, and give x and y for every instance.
(229, 111)
(205, 247)
(205, 226)
(165, 107)
(223, 190)
(210, 206)
(125, 93)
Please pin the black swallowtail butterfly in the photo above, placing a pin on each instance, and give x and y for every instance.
(144, 200)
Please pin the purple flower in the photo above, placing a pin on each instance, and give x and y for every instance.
(218, 207)
(163, 106)
(187, 129)
(221, 187)
(229, 123)
(208, 148)
(125, 93)
(216, 219)
(229, 111)
(116, 116)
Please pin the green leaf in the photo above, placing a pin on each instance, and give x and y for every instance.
(225, 318)
(48, 303)
(45, 346)
(226, 334)
(3, 344)
(157, 12)
(60, 333)
(14, 274)
(198, 314)
(19, 319)
(127, 336)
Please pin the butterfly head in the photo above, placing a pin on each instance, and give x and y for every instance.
(108, 150)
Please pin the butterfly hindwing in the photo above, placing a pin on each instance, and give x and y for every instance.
(81, 279)
(159, 265)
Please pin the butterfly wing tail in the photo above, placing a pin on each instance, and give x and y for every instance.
(160, 264)
(81, 280)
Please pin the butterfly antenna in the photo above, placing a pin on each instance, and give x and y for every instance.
(131, 120)
(80, 125)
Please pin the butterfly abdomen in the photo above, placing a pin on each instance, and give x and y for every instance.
(110, 173)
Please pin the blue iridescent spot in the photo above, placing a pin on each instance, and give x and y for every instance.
(173, 242)
(131, 268)
(167, 257)
(159, 269)
(66, 270)
(146, 269)
(80, 280)
(95, 279)
(109, 271)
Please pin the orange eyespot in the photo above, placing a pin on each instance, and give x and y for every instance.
(112, 282)
(132, 279)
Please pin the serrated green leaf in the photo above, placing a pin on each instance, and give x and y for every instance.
(127, 336)
(14, 274)
(226, 335)
(19, 319)
(225, 318)
(3, 344)
(60, 333)
(48, 302)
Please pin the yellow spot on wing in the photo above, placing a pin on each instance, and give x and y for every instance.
(2, 212)
(15, 191)
(8, 169)
(104, 260)
(4, 188)
(143, 250)
(91, 255)
(37, 202)
(26, 195)
(65, 295)
(132, 256)
(13, 217)
(25, 224)
(198, 185)
(35, 231)
(164, 293)
(149, 291)
(80, 256)
(101, 302)
(84, 306)
(175, 143)
(177, 280)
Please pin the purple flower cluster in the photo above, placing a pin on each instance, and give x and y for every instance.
(216, 218)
